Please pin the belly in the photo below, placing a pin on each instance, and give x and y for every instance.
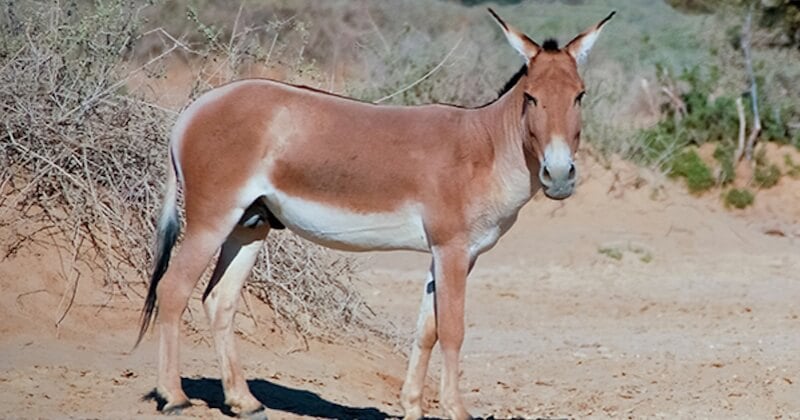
(337, 227)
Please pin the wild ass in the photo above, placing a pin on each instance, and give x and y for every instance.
(256, 155)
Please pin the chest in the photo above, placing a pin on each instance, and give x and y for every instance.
(495, 216)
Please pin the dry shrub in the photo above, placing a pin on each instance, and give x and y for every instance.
(297, 278)
(84, 160)
(370, 49)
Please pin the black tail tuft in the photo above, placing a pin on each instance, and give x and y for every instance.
(167, 236)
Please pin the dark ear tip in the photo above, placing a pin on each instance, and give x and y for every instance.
(610, 15)
(497, 18)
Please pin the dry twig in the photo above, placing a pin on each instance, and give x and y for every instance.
(737, 155)
(746, 41)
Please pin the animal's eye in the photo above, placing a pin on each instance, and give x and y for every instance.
(579, 98)
(531, 99)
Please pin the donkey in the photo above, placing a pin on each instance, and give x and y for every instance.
(256, 155)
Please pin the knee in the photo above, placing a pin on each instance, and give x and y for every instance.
(172, 295)
(427, 338)
(451, 339)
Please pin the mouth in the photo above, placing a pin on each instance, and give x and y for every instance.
(559, 193)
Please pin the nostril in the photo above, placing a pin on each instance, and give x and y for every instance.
(546, 176)
(571, 172)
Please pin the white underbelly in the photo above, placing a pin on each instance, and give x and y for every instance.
(340, 228)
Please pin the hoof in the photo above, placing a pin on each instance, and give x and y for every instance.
(163, 405)
(259, 413)
(175, 409)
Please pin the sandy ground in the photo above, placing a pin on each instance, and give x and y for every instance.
(631, 299)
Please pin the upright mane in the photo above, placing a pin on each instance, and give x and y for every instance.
(513, 80)
(550, 45)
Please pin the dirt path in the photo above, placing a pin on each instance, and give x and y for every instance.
(689, 311)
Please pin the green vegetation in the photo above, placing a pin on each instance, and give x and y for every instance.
(793, 168)
(611, 252)
(766, 175)
(723, 154)
(707, 115)
(738, 198)
(690, 166)
(617, 252)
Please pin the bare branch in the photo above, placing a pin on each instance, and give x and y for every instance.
(746, 41)
(677, 103)
(737, 156)
(425, 76)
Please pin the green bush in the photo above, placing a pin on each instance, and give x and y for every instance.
(766, 176)
(709, 116)
(727, 170)
(793, 168)
(738, 198)
(690, 166)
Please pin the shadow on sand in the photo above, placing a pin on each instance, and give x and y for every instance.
(289, 400)
(274, 397)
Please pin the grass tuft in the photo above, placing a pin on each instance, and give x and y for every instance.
(793, 167)
(690, 166)
(738, 198)
(766, 176)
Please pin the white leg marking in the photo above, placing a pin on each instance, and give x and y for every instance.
(411, 395)
(235, 262)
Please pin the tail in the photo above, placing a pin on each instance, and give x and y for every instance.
(166, 235)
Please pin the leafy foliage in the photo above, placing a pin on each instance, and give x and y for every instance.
(739, 198)
(711, 116)
(727, 170)
(766, 174)
(707, 115)
(793, 168)
(690, 166)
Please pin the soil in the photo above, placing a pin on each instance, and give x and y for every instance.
(631, 299)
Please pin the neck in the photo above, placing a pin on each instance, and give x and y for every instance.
(502, 123)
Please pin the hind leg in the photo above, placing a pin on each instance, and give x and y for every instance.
(411, 395)
(220, 300)
(199, 245)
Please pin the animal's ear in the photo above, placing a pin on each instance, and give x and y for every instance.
(524, 45)
(580, 46)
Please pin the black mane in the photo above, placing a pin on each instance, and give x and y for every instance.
(513, 80)
(550, 45)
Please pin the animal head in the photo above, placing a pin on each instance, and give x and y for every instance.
(553, 91)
